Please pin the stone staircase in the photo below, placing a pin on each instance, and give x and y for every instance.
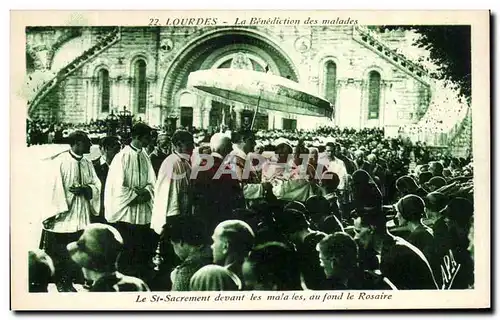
(364, 36)
(460, 145)
(47, 86)
(456, 138)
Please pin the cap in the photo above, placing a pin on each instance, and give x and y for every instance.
(98, 247)
(411, 207)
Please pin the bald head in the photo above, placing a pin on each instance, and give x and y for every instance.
(221, 144)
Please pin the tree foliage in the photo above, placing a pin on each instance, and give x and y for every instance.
(450, 50)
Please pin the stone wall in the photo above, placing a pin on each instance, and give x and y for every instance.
(305, 48)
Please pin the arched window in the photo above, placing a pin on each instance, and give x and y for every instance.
(104, 92)
(140, 86)
(373, 95)
(330, 82)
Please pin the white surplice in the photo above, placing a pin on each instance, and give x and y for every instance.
(172, 190)
(252, 189)
(73, 212)
(131, 168)
(289, 181)
(338, 166)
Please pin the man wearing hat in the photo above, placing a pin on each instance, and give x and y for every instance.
(76, 191)
(401, 262)
(410, 212)
(128, 199)
(456, 264)
(97, 252)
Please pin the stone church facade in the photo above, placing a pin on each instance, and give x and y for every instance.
(86, 73)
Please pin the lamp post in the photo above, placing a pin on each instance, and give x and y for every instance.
(125, 123)
(112, 124)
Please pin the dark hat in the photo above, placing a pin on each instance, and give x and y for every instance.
(406, 184)
(460, 210)
(41, 267)
(291, 220)
(437, 182)
(98, 247)
(296, 205)
(330, 179)
(181, 136)
(317, 205)
(436, 201)
(424, 177)
(141, 129)
(411, 207)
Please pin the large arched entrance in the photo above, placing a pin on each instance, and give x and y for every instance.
(218, 49)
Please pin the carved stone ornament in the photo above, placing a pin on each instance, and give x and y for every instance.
(167, 45)
(302, 44)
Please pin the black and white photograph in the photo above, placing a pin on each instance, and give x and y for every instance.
(285, 158)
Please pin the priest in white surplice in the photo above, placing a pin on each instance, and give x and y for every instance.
(75, 197)
(173, 187)
(128, 201)
(173, 198)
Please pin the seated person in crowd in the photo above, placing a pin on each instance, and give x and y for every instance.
(96, 252)
(294, 225)
(190, 241)
(410, 211)
(398, 260)
(271, 266)
(232, 240)
(41, 270)
(338, 255)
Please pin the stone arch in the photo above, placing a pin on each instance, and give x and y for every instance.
(140, 55)
(380, 70)
(98, 68)
(188, 58)
(90, 69)
(322, 75)
(322, 56)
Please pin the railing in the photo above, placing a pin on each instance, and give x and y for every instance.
(363, 35)
(459, 131)
(105, 42)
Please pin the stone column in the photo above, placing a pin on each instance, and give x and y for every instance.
(384, 85)
(238, 109)
(93, 97)
(197, 112)
(114, 89)
(206, 113)
(89, 114)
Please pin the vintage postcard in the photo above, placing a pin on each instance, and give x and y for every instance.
(250, 160)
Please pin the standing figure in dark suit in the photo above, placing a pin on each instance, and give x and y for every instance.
(109, 147)
(161, 151)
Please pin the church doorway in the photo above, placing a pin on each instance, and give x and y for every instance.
(186, 117)
(219, 114)
(261, 120)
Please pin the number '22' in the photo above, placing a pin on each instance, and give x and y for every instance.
(153, 21)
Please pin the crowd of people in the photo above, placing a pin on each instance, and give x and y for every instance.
(330, 209)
